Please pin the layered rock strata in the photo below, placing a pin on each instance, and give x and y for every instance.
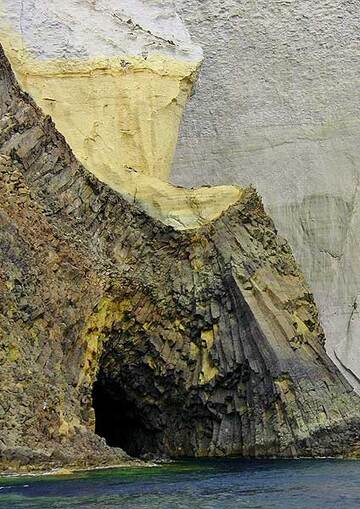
(115, 77)
(208, 338)
(278, 106)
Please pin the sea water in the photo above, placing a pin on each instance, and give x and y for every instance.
(200, 484)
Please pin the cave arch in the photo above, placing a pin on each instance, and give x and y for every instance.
(118, 418)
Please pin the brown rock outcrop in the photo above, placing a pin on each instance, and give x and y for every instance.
(202, 342)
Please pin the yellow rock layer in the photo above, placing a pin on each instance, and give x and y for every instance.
(209, 371)
(108, 311)
(121, 117)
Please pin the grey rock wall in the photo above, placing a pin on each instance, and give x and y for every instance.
(278, 105)
(202, 343)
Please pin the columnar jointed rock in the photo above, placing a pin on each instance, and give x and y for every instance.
(278, 106)
(210, 336)
(115, 87)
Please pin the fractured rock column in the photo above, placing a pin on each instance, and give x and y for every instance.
(278, 107)
(210, 335)
(115, 77)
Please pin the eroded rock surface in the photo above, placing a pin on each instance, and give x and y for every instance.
(115, 77)
(277, 106)
(210, 336)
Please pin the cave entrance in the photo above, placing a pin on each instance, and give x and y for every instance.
(119, 421)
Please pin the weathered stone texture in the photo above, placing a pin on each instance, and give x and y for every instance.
(278, 106)
(211, 335)
(115, 86)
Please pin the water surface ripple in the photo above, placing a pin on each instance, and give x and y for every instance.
(200, 484)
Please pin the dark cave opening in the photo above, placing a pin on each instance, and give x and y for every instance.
(119, 421)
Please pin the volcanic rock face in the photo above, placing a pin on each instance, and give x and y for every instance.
(114, 77)
(278, 106)
(200, 342)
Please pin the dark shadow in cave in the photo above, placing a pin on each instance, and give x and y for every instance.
(119, 421)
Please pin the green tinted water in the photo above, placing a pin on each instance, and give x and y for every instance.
(200, 484)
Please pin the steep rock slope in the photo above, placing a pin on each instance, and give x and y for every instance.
(277, 106)
(114, 77)
(202, 342)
